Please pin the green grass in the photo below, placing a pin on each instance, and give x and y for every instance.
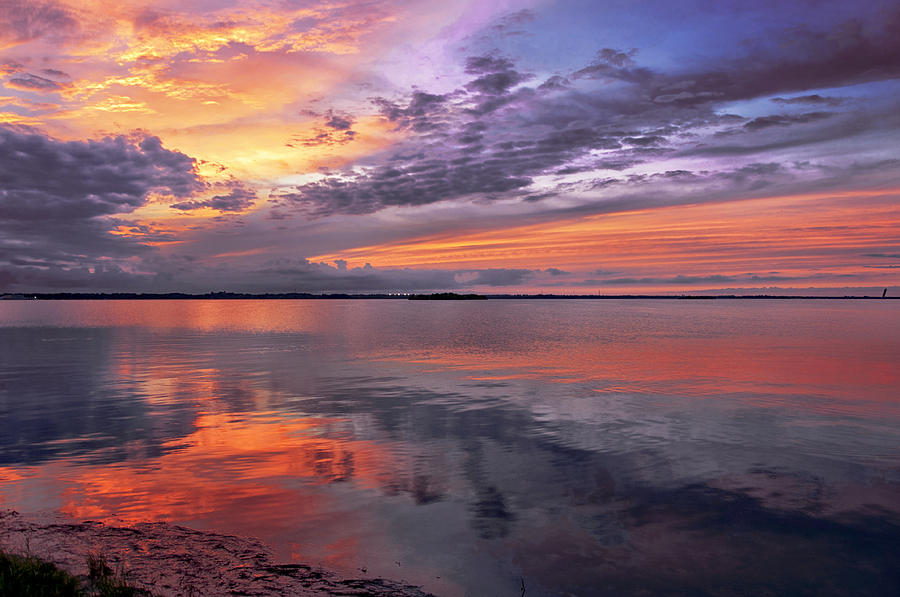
(27, 576)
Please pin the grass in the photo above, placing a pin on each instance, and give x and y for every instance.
(28, 576)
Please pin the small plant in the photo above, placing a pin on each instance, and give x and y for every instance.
(106, 582)
(27, 576)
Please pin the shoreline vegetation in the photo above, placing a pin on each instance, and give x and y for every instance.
(130, 296)
(53, 556)
(27, 575)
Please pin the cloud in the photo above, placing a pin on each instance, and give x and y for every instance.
(462, 144)
(180, 273)
(522, 135)
(801, 59)
(239, 199)
(501, 277)
(57, 199)
(309, 276)
(341, 123)
(809, 99)
(610, 62)
(495, 76)
(495, 135)
(31, 82)
(183, 273)
(784, 120)
(337, 130)
(52, 72)
(43, 178)
(509, 25)
(556, 272)
(25, 20)
(693, 280)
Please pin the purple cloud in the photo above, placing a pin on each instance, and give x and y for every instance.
(239, 199)
(57, 199)
(34, 82)
(492, 137)
(43, 178)
(25, 20)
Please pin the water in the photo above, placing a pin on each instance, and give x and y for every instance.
(581, 447)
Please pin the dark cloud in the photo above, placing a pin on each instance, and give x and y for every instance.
(538, 196)
(770, 140)
(309, 276)
(239, 199)
(501, 277)
(56, 199)
(554, 83)
(883, 255)
(509, 25)
(186, 274)
(489, 139)
(421, 114)
(24, 20)
(757, 173)
(613, 63)
(556, 272)
(494, 135)
(809, 99)
(52, 72)
(420, 183)
(784, 120)
(644, 141)
(34, 82)
(461, 146)
(494, 79)
(806, 59)
(486, 65)
(337, 130)
(43, 178)
(341, 123)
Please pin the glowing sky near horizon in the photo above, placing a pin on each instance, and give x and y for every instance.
(389, 146)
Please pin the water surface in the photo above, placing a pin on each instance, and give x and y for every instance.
(583, 447)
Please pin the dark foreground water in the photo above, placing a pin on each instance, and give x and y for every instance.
(581, 447)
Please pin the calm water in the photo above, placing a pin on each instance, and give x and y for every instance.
(587, 447)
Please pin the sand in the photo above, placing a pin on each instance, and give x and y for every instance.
(171, 560)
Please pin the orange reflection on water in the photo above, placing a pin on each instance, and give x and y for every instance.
(200, 315)
(251, 475)
(228, 458)
(853, 375)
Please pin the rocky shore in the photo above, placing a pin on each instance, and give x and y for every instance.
(170, 560)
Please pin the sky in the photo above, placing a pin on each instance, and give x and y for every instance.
(569, 146)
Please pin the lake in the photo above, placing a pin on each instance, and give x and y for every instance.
(581, 447)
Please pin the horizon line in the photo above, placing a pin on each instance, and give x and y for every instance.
(229, 295)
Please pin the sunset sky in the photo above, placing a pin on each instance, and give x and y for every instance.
(569, 146)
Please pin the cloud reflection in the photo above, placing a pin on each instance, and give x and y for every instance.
(541, 446)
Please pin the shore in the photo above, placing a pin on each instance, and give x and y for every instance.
(170, 560)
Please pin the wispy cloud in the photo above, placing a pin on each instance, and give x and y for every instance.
(448, 144)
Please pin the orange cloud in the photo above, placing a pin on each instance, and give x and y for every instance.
(224, 85)
(795, 235)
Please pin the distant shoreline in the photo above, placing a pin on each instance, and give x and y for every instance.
(118, 296)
